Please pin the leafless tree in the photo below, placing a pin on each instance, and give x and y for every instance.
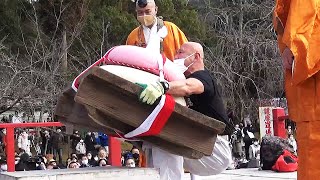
(32, 80)
(245, 60)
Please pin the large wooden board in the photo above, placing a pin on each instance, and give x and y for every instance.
(112, 101)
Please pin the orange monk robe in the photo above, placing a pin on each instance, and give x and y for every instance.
(171, 42)
(297, 23)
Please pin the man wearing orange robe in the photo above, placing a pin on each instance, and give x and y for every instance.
(170, 37)
(297, 23)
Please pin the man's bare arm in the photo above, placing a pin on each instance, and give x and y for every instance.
(186, 87)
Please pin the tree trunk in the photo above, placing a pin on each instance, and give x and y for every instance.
(64, 52)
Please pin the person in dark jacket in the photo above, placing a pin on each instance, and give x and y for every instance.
(75, 138)
(91, 160)
(23, 163)
(90, 142)
(247, 139)
(57, 140)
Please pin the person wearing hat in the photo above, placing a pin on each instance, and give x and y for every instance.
(166, 36)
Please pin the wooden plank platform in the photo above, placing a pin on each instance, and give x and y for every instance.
(112, 102)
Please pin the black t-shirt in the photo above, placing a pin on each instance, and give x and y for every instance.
(209, 102)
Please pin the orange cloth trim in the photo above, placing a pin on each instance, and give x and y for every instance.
(171, 42)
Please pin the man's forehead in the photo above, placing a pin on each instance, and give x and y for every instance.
(185, 48)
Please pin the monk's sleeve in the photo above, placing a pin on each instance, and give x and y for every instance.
(301, 35)
(179, 36)
(300, 24)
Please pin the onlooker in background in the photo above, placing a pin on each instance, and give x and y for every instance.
(84, 161)
(122, 160)
(53, 163)
(5, 119)
(75, 138)
(74, 159)
(22, 165)
(102, 162)
(289, 131)
(3, 138)
(237, 141)
(104, 141)
(292, 141)
(90, 142)
(45, 137)
(98, 143)
(49, 166)
(91, 160)
(73, 165)
(57, 140)
(73, 155)
(24, 143)
(40, 165)
(130, 162)
(36, 142)
(102, 154)
(248, 135)
(136, 156)
(3, 166)
(254, 154)
(16, 118)
(81, 147)
(68, 161)
(254, 149)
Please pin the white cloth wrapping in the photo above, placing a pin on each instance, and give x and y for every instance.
(169, 165)
(154, 37)
(219, 160)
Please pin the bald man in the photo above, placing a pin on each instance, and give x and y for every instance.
(200, 86)
(203, 96)
(165, 36)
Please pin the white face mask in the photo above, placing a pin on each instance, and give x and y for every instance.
(180, 63)
(256, 143)
(85, 161)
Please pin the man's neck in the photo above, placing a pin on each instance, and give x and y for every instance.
(150, 26)
(197, 68)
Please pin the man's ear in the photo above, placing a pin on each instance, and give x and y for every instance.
(156, 10)
(197, 56)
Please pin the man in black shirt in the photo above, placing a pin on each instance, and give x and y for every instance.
(203, 96)
(200, 87)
